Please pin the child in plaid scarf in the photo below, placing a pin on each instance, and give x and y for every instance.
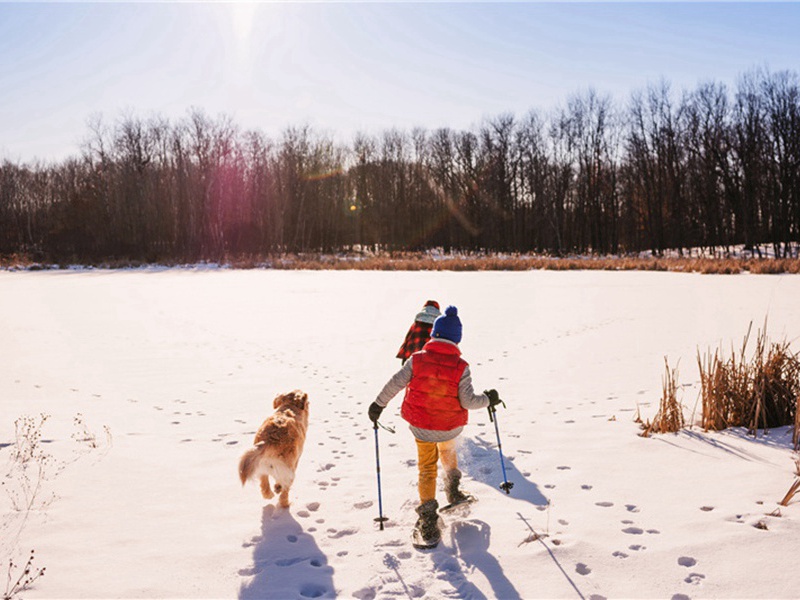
(420, 331)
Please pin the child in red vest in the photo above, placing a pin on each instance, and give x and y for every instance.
(420, 331)
(438, 395)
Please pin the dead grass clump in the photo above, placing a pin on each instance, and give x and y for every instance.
(669, 417)
(758, 392)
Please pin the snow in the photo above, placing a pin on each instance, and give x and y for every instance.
(180, 367)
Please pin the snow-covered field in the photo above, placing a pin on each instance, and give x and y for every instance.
(172, 371)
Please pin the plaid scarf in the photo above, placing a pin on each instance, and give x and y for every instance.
(418, 335)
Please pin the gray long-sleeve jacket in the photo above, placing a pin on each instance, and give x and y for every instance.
(466, 397)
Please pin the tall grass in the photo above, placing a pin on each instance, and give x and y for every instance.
(760, 391)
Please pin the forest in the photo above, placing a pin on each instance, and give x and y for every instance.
(715, 166)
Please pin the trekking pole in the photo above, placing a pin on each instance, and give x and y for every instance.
(506, 485)
(380, 518)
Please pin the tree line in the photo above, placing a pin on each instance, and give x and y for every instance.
(707, 167)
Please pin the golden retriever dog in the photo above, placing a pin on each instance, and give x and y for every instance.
(277, 447)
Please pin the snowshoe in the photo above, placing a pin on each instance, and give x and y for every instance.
(428, 529)
(455, 496)
(461, 503)
(423, 538)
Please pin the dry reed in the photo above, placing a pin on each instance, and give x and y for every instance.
(669, 417)
(760, 392)
(795, 487)
(428, 261)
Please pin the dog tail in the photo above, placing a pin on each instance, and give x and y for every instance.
(249, 461)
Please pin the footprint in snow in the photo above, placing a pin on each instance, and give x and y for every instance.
(633, 530)
(564, 468)
(604, 504)
(619, 554)
(687, 561)
(632, 508)
(586, 487)
(582, 569)
(313, 590)
(363, 505)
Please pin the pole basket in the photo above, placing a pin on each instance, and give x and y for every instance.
(506, 486)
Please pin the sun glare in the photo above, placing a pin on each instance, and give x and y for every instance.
(243, 15)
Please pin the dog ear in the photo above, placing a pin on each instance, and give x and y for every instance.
(302, 399)
(278, 401)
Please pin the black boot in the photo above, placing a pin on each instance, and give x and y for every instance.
(454, 495)
(426, 531)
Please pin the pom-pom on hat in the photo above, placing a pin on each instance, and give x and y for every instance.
(429, 312)
(448, 326)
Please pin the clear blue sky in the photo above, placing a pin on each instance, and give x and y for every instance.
(345, 67)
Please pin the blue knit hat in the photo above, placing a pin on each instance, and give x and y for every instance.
(448, 326)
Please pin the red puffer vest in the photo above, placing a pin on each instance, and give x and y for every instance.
(431, 400)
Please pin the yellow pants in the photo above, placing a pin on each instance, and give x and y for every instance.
(428, 454)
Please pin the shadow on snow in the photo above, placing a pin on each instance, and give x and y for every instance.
(480, 460)
(470, 541)
(287, 563)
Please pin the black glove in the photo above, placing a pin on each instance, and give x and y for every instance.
(374, 412)
(494, 398)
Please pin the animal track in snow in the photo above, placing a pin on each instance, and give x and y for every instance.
(695, 578)
(632, 508)
(633, 530)
(687, 561)
(604, 504)
(563, 468)
(586, 487)
(313, 506)
(582, 569)
(619, 554)
(363, 505)
(336, 534)
(637, 547)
